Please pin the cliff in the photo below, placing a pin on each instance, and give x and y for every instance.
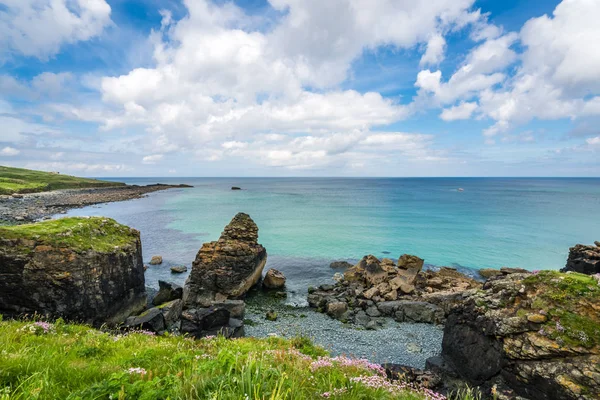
(80, 269)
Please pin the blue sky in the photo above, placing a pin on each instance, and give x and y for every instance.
(301, 87)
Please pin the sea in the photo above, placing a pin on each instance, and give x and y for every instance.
(306, 223)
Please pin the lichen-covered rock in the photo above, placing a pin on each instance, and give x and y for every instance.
(274, 279)
(584, 259)
(80, 269)
(156, 260)
(539, 332)
(226, 268)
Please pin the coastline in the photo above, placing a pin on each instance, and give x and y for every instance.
(31, 207)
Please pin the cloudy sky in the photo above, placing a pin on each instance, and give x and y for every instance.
(301, 87)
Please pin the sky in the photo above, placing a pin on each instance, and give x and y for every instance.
(301, 87)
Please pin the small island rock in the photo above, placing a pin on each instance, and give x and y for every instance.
(274, 279)
(156, 260)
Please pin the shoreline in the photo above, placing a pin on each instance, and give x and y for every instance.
(32, 207)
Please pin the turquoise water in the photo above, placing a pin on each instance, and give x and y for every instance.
(307, 222)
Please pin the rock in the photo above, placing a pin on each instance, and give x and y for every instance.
(367, 270)
(500, 331)
(584, 259)
(179, 269)
(68, 273)
(407, 288)
(156, 260)
(145, 267)
(508, 271)
(340, 265)
(414, 348)
(229, 266)
(204, 321)
(373, 312)
(409, 267)
(336, 309)
(371, 293)
(151, 320)
(274, 279)
(489, 272)
(371, 325)
(361, 318)
(236, 308)
(419, 311)
(236, 188)
(17, 196)
(167, 291)
(271, 315)
(171, 312)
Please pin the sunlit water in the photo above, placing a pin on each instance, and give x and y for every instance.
(305, 223)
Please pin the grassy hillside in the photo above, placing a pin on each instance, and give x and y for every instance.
(18, 180)
(40, 360)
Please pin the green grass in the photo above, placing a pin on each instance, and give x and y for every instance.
(18, 180)
(570, 302)
(76, 233)
(78, 362)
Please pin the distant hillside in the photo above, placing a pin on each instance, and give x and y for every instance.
(19, 180)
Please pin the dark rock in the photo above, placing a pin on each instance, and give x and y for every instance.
(508, 271)
(156, 260)
(151, 320)
(340, 265)
(227, 268)
(167, 291)
(489, 272)
(204, 321)
(179, 269)
(271, 315)
(336, 309)
(371, 325)
(236, 188)
(373, 312)
(236, 308)
(419, 311)
(77, 284)
(274, 279)
(584, 259)
(171, 312)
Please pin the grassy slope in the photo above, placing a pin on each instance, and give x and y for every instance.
(77, 233)
(18, 180)
(77, 362)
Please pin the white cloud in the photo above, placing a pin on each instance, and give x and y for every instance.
(38, 28)
(152, 159)
(9, 152)
(462, 111)
(435, 50)
(76, 167)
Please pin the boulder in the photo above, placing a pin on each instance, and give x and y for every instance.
(409, 267)
(81, 269)
(150, 320)
(236, 188)
(172, 313)
(179, 269)
(539, 332)
(236, 308)
(336, 309)
(274, 279)
(340, 265)
(489, 272)
(167, 291)
(419, 311)
(156, 260)
(204, 321)
(584, 259)
(226, 268)
(367, 270)
(271, 315)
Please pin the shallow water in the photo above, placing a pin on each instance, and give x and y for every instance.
(305, 223)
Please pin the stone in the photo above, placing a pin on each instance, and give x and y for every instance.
(371, 325)
(373, 312)
(391, 295)
(229, 266)
(156, 260)
(336, 309)
(508, 271)
(167, 291)
(537, 318)
(151, 320)
(236, 308)
(414, 348)
(70, 274)
(271, 315)
(409, 267)
(584, 259)
(203, 321)
(236, 188)
(179, 269)
(274, 279)
(361, 318)
(172, 313)
(420, 311)
(489, 272)
(367, 270)
(407, 288)
(388, 307)
(340, 265)
(368, 294)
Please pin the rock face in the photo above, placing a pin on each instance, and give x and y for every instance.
(376, 288)
(227, 268)
(80, 269)
(584, 259)
(274, 279)
(539, 333)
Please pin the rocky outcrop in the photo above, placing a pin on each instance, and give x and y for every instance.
(340, 265)
(538, 333)
(167, 291)
(227, 268)
(376, 288)
(584, 259)
(80, 269)
(274, 279)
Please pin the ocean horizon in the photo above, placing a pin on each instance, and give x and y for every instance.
(306, 223)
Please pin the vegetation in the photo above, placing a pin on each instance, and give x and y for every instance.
(18, 180)
(40, 360)
(569, 300)
(77, 233)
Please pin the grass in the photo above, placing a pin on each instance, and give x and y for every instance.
(76, 233)
(570, 302)
(19, 180)
(62, 361)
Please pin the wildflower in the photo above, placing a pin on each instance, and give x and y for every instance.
(137, 370)
(320, 363)
(597, 278)
(334, 392)
(559, 327)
